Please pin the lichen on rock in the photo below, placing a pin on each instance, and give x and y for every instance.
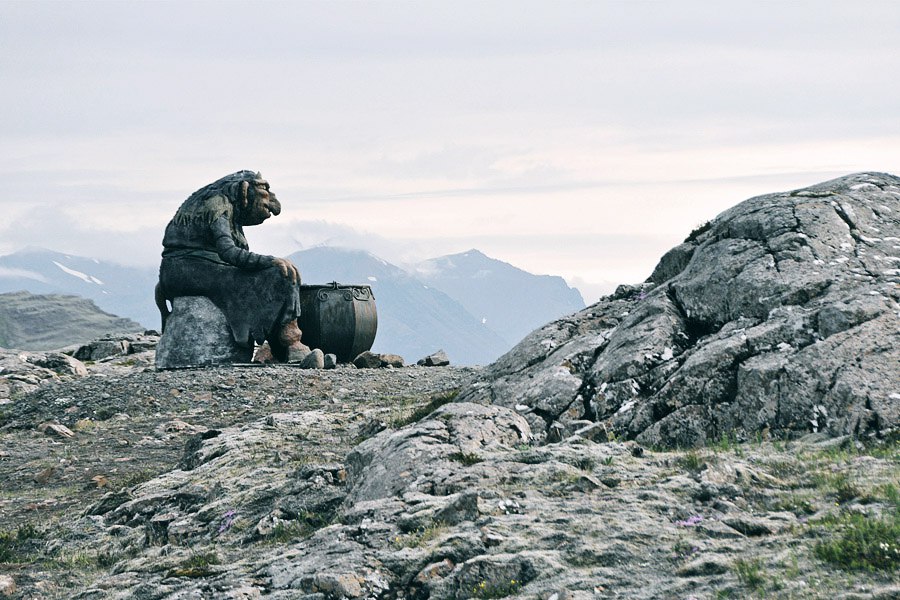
(779, 317)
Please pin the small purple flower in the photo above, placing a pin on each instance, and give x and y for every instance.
(690, 521)
(227, 521)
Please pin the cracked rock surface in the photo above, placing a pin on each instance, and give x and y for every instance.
(526, 479)
(780, 317)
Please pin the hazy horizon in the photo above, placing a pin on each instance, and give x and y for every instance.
(580, 139)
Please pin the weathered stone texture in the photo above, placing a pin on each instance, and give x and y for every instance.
(438, 359)
(197, 334)
(779, 317)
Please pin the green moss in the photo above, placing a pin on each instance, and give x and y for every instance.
(888, 449)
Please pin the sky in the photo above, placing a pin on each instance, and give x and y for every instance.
(580, 139)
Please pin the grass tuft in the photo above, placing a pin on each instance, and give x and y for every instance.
(502, 589)
(421, 536)
(434, 403)
(466, 458)
(864, 543)
(196, 565)
(692, 461)
(19, 545)
(750, 573)
(698, 231)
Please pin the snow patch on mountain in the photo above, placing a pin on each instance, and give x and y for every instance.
(78, 274)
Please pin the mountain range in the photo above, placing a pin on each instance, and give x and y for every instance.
(470, 305)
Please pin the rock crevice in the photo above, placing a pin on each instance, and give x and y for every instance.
(784, 303)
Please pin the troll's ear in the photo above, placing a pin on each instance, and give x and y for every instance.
(245, 188)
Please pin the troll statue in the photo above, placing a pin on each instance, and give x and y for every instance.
(205, 253)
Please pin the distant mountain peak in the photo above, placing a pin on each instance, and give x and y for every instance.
(509, 300)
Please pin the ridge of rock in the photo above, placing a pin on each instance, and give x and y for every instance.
(277, 482)
(779, 317)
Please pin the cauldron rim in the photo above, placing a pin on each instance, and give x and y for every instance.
(333, 285)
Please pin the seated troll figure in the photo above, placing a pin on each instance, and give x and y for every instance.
(205, 253)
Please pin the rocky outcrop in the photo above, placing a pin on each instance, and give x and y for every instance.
(779, 317)
(24, 371)
(276, 482)
(257, 481)
(21, 372)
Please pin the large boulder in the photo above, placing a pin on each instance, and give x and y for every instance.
(197, 334)
(779, 317)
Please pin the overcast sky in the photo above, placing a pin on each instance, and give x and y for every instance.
(580, 139)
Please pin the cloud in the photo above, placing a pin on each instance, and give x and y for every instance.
(534, 131)
(21, 273)
(49, 227)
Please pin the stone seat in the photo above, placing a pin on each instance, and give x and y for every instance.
(197, 335)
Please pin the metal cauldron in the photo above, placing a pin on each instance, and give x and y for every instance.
(338, 319)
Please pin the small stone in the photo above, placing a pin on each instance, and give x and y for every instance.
(56, 429)
(435, 571)
(637, 452)
(263, 354)
(372, 360)
(392, 360)
(747, 526)
(313, 360)
(491, 538)
(367, 360)
(703, 567)
(462, 508)
(330, 361)
(595, 432)
(555, 432)
(7, 586)
(438, 359)
(344, 585)
(587, 483)
(298, 353)
(60, 363)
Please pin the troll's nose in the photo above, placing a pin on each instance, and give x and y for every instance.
(274, 204)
